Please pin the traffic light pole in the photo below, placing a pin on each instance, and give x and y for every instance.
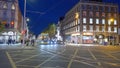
(24, 21)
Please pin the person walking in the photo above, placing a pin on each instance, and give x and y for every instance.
(27, 42)
(32, 42)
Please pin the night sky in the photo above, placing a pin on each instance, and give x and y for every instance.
(44, 12)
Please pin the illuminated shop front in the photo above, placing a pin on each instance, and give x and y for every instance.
(13, 35)
(87, 38)
(75, 38)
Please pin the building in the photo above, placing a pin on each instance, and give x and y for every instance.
(11, 17)
(91, 22)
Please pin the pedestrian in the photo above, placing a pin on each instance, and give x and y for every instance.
(21, 41)
(27, 42)
(32, 42)
(9, 41)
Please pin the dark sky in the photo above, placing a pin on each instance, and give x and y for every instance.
(44, 12)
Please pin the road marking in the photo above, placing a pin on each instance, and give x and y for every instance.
(85, 63)
(45, 61)
(48, 59)
(11, 61)
(94, 57)
(69, 64)
(113, 64)
(110, 56)
(27, 58)
(25, 66)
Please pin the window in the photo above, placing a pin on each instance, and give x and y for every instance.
(103, 14)
(97, 28)
(84, 20)
(115, 15)
(84, 13)
(91, 28)
(97, 14)
(109, 29)
(5, 6)
(78, 21)
(84, 28)
(91, 21)
(103, 28)
(103, 8)
(97, 21)
(115, 9)
(90, 7)
(109, 9)
(91, 14)
(115, 29)
(13, 15)
(103, 21)
(109, 22)
(13, 7)
(109, 14)
(96, 8)
(115, 22)
(83, 6)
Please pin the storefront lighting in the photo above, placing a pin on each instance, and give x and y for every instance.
(106, 40)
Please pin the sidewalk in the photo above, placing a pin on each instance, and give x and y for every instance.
(15, 46)
(73, 44)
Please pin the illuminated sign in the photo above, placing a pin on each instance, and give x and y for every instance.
(87, 33)
(10, 33)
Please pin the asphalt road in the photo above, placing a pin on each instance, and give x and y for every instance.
(60, 56)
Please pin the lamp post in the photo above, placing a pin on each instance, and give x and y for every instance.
(24, 21)
(27, 33)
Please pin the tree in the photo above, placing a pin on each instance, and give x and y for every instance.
(2, 26)
(51, 30)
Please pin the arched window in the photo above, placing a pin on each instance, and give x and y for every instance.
(13, 7)
(4, 5)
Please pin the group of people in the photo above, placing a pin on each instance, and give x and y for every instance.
(28, 42)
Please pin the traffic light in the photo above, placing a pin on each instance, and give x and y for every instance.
(12, 24)
(23, 32)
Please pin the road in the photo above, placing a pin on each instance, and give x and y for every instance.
(61, 56)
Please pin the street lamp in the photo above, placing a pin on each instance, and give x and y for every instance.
(111, 20)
